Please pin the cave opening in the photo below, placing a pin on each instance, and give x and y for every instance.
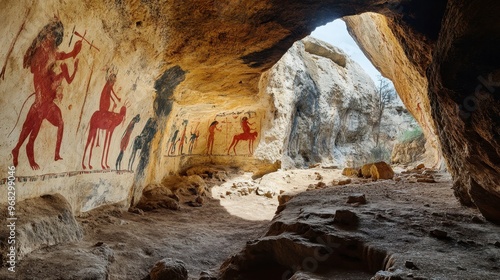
(250, 167)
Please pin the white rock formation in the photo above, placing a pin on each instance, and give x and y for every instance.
(324, 109)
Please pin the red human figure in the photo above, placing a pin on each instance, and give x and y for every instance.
(106, 121)
(107, 94)
(41, 58)
(211, 136)
(247, 135)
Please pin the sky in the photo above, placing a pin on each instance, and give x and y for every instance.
(336, 34)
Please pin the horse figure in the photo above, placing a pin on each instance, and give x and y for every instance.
(246, 135)
(106, 121)
(250, 137)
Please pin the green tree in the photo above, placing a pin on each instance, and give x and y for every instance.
(386, 94)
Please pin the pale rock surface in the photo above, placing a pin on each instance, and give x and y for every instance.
(41, 222)
(324, 109)
(373, 34)
(169, 269)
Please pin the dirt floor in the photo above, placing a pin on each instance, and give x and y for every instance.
(126, 245)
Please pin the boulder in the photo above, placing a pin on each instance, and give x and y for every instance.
(365, 170)
(169, 269)
(285, 197)
(381, 170)
(44, 221)
(350, 172)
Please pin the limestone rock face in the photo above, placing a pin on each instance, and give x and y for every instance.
(408, 152)
(324, 109)
(464, 80)
(453, 91)
(376, 36)
(41, 222)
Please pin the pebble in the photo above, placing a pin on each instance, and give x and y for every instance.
(411, 265)
(199, 199)
(357, 198)
(426, 180)
(477, 220)
(136, 211)
(345, 217)
(439, 234)
(344, 182)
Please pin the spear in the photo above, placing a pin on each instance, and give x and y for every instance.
(85, 99)
(2, 74)
(83, 38)
(71, 39)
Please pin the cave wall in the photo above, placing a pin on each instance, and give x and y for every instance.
(375, 36)
(61, 94)
(464, 79)
(214, 52)
(135, 76)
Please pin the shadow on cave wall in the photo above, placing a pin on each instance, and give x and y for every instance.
(165, 87)
(303, 143)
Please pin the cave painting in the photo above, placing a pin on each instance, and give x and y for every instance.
(194, 134)
(211, 136)
(183, 139)
(220, 131)
(125, 139)
(141, 140)
(42, 59)
(173, 140)
(107, 121)
(247, 135)
(11, 48)
(107, 93)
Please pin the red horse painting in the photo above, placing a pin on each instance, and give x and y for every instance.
(106, 121)
(247, 135)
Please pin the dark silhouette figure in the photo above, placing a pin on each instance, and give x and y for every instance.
(138, 143)
(192, 139)
(41, 58)
(106, 121)
(183, 139)
(173, 142)
(211, 136)
(247, 135)
(126, 139)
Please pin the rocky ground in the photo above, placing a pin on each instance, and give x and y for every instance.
(409, 227)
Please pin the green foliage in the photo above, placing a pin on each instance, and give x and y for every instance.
(411, 135)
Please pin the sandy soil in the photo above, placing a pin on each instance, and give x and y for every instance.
(241, 210)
